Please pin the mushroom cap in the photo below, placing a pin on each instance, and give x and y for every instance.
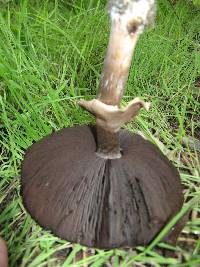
(102, 203)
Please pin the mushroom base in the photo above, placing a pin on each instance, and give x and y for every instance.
(97, 202)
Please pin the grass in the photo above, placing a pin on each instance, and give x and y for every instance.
(51, 55)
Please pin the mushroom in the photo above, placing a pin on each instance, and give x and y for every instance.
(98, 185)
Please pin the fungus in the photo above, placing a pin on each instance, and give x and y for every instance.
(101, 186)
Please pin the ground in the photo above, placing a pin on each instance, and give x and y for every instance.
(51, 55)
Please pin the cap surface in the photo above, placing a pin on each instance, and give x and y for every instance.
(103, 203)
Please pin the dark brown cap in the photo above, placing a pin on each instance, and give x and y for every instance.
(98, 202)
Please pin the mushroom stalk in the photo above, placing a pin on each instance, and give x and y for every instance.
(116, 64)
(114, 76)
(128, 18)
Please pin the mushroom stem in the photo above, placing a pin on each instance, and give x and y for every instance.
(110, 119)
(116, 65)
(128, 19)
(112, 83)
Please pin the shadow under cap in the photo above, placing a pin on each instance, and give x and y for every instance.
(102, 203)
